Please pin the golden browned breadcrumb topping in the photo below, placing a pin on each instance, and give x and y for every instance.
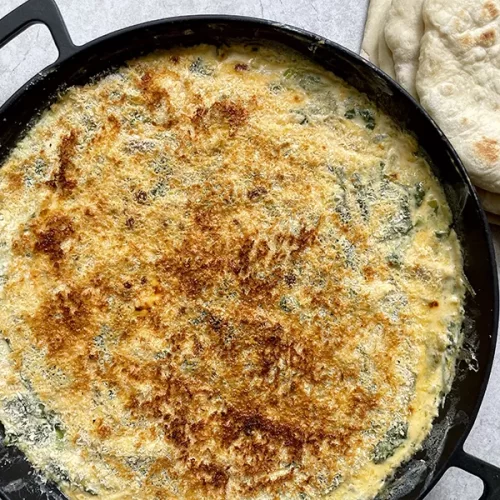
(228, 275)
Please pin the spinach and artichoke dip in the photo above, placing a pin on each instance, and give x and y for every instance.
(224, 274)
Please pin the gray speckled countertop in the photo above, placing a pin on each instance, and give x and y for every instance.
(338, 20)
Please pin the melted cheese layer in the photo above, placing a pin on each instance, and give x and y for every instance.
(225, 274)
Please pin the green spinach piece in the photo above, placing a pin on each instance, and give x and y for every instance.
(342, 207)
(369, 118)
(394, 260)
(419, 194)
(304, 79)
(401, 223)
(350, 114)
(200, 67)
(362, 195)
(288, 304)
(395, 437)
(367, 115)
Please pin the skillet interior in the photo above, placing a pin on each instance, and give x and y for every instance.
(456, 417)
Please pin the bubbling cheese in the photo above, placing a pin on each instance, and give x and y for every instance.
(225, 274)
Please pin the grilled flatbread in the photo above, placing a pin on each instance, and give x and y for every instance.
(457, 81)
(403, 31)
(374, 47)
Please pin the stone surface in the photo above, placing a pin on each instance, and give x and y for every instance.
(338, 20)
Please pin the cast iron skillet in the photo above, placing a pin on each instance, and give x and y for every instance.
(75, 65)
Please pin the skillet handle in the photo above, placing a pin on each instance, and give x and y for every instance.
(33, 12)
(489, 474)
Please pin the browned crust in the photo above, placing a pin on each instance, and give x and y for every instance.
(62, 178)
(487, 38)
(488, 150)
(491, 9)
(54, 231)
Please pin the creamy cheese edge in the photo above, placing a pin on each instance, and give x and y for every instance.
(422, 284)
